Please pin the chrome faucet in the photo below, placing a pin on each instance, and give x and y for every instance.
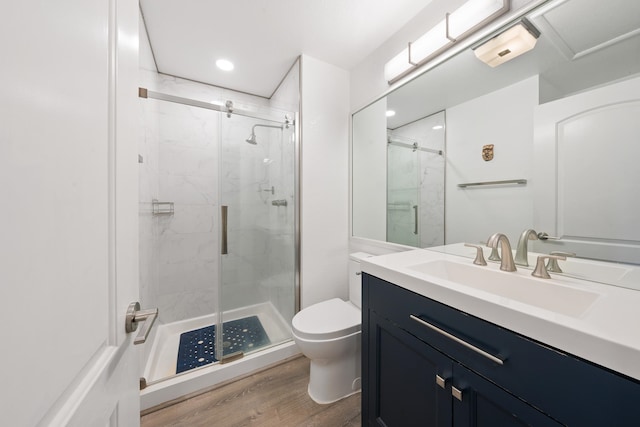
(522, 250)
(506, 263)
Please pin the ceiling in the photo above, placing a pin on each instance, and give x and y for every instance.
(263, 38)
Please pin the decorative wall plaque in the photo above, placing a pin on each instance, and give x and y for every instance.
(487, 152)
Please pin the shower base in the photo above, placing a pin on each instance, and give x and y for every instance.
(164, 384)
(198, 347)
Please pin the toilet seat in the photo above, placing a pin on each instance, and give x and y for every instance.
(327, 320)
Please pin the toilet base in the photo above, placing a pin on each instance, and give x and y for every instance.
(332, 380)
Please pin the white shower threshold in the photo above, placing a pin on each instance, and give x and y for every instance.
(163, 385)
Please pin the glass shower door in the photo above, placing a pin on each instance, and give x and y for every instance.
(257, 245)
(403, 195)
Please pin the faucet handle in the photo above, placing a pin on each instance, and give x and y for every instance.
(540, 270)
(552, 264)
(479, 254)
(545, 236)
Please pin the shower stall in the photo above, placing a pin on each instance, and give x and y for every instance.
(218, 241)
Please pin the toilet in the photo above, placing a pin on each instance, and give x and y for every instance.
(328, 333)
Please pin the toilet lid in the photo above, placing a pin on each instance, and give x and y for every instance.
(329, 319)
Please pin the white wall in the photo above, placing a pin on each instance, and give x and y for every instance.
(474, 213)
(324, 183)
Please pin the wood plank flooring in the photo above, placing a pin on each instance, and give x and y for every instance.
(274, 397)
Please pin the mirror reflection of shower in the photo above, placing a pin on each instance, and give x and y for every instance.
(415, 182)
(252, 138)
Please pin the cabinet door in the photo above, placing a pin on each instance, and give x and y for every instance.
(484, 404)
(402, 375)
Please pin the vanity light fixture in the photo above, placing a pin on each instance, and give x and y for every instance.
(454, 27)
(517, 40)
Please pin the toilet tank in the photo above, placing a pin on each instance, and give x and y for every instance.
(355, 277)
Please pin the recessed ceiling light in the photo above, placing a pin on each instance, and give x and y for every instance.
(391, 113)
(437, 127)
(224, 64)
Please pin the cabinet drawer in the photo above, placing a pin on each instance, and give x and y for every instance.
(571, 390)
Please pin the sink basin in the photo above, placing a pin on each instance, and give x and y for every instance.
(541, 293)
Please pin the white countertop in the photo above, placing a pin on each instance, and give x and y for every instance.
(607, 333)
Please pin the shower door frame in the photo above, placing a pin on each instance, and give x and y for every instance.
(229, 110)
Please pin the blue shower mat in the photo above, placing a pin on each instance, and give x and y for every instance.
(197, 347)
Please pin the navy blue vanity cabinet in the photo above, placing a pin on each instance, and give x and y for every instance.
(425, 363)
(416, 385)
(403, 389)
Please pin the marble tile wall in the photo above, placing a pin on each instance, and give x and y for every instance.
(179, 151)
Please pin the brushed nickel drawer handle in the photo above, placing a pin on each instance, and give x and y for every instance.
(458, 340)
(457, 393)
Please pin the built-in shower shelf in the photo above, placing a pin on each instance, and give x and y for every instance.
(162, 208)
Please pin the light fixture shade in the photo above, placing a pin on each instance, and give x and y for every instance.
(508, 45)
(431, 43)
(473, 14)
(397, 66)
(453, 28)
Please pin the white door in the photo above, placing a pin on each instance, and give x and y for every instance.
(587, 178)
(68, 216)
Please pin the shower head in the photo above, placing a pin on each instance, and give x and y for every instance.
(252, 139)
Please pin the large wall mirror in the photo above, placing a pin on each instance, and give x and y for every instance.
(549, 140)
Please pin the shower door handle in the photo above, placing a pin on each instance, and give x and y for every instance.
(223, 240)
(415, 219)
(135, 316)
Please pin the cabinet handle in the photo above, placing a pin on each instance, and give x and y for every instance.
(441, 381)
(457, 393)
(458, 340)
